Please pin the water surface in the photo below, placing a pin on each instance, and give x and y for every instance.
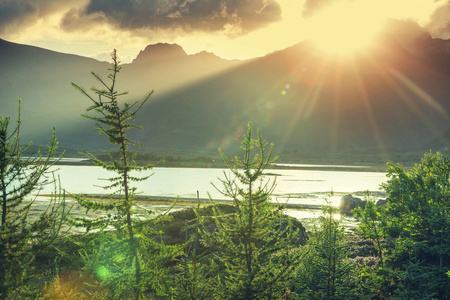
(295, 186)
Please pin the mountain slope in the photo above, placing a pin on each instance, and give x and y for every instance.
(41, 78)
(383, 99)
(394, 96)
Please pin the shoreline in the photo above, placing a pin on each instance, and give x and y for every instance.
(167, 200)
(276, 166)
(192, 201)
(304, 213)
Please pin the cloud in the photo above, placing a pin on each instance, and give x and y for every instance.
(74, 21)
(312, 6)
(229, 16)
(19, 14)
(439, 25)
(405, 31)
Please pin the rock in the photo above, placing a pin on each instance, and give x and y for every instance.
(348, 202)
(160, 52)
(381, 202)
(302, 236)
(175, 229)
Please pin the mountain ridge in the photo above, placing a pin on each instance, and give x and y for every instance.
(393, 97)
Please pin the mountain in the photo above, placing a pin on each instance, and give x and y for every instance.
(166, 67)
(41, 78)
(394, 96)
(159, 53)
(384, 99)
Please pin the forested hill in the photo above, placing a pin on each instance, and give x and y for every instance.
(394, 96)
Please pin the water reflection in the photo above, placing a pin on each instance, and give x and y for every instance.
(305, 187)
(299, 189)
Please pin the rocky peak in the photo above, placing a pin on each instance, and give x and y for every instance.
(160, 51)
(205, 54)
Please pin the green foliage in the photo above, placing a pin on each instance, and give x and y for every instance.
(325, 273)
(113, 120)
(416, 220)
(254, 258)
(107, 255)
(194, 276)
(130, 249)
(371, 220)
(419, 208)
(420, 281)
(22, 238)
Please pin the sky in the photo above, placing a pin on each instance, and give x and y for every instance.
(231, 29)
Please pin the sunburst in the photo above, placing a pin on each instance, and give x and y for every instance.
(346, 27)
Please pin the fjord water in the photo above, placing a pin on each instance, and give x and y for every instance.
(307, 187)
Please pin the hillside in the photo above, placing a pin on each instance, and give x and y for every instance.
(394, 97)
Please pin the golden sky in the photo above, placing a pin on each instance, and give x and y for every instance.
(232, 29)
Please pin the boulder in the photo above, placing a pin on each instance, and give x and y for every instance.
(381, 202)
(348, 202)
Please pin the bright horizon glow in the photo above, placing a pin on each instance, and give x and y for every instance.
(347, 27)
(342, 26)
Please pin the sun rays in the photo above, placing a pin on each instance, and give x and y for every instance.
(345, 28)
(357, 87)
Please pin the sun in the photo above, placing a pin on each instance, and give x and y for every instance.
(346, 27)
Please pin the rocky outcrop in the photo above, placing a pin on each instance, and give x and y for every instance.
(160, 52)
(183, 223)
(348, 202)
(301, 238)
(381, 202)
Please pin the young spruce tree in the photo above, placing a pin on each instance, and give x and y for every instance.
(325, 273)
(21, 237)
(371, 224)
(114, 120)
(255, 253)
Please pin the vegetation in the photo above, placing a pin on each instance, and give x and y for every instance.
(255, 254)
(419, 206)
(372, 218)
(248, 249)
(411, 233)
(325, 272)
(118, 253)
(22, 239)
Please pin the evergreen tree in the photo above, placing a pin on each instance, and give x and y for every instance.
(22, 238)
(419, 205)
(325, 273)
(194, 277)
(114, 120)
(371, 224)
(255, 253)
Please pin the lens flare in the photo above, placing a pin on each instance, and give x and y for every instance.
(102, 272)
(73, 285)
